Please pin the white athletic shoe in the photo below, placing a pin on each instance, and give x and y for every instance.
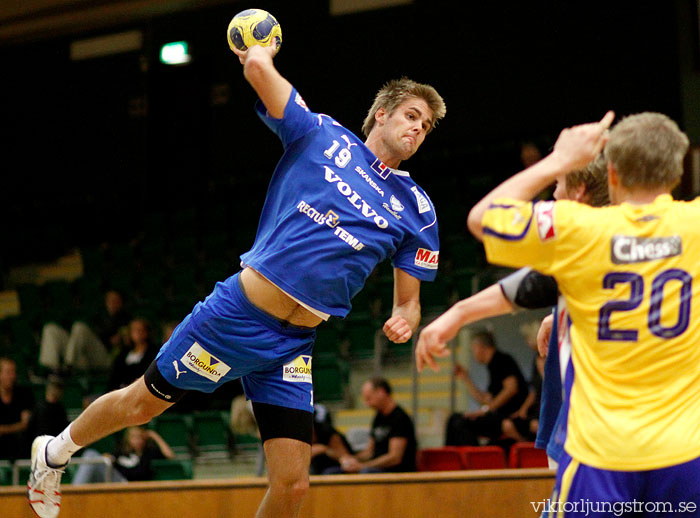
(43, 488)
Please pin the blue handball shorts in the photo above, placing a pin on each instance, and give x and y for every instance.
(587, 492)
(226, 337)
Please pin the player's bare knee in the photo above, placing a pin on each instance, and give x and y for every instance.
(290, 487)
(142, 405)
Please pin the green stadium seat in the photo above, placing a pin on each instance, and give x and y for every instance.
(328, 340)
(58, 302)
(21, 334)
(74, 392)
(90, 297)
(5, 473)
(330, 378)
(246, 442)
(176, 430)
(360, 330)
(152, 283)
(30, 303)
(24, 472)
(121, 280)
(172, 469)
(39, 391)
(211, 432)
(436, 296)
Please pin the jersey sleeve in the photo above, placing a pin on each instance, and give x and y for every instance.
(518, 233)
(530, 289)
(296, 122)
(419, 255)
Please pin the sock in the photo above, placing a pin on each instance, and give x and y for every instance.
(60, 449)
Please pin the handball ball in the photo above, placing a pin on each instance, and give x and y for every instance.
(253, 27)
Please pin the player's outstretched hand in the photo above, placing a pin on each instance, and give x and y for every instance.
(397, 329)
(543, 334)
(432, 343)
(243, 55)
(579, 145)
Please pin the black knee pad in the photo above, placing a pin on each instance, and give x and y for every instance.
(159, 386)
(275, 422)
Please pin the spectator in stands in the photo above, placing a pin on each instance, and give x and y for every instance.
(506, 393)
(242, 421)
(85, 347)
(328, 444)
(131, 461)
(522, 424)
(392, 444)
(16, 405)
(49, 416)
(134, 359)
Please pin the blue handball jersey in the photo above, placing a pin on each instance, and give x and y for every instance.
(333, 211)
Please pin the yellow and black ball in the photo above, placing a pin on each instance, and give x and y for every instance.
(253, 27)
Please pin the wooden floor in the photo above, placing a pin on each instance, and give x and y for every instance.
(458, 494)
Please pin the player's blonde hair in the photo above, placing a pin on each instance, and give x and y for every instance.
(395, 92)
(647, 151)
(595, 179)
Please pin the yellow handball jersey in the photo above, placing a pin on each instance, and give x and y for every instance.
(630, 275)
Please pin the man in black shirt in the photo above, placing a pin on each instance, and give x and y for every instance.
(506, 392)
(392, 443)
(16, 405)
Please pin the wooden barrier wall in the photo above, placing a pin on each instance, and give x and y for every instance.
(458, 494)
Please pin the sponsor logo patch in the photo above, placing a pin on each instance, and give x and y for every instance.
(427, 258)
(391, 211)
(396, 204)
(381, 169)
(630, 249)
(545, 220)
(204, 363)
(423, 203)
(298, 370)
(354, 198)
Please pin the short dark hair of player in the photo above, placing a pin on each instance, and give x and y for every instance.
(595, 179)
(381, 383)
(484, 337)
(647, 151)
(395, 92)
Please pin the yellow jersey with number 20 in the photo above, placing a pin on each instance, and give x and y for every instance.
(630, 275)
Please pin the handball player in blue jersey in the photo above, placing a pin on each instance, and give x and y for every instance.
(336, 206)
